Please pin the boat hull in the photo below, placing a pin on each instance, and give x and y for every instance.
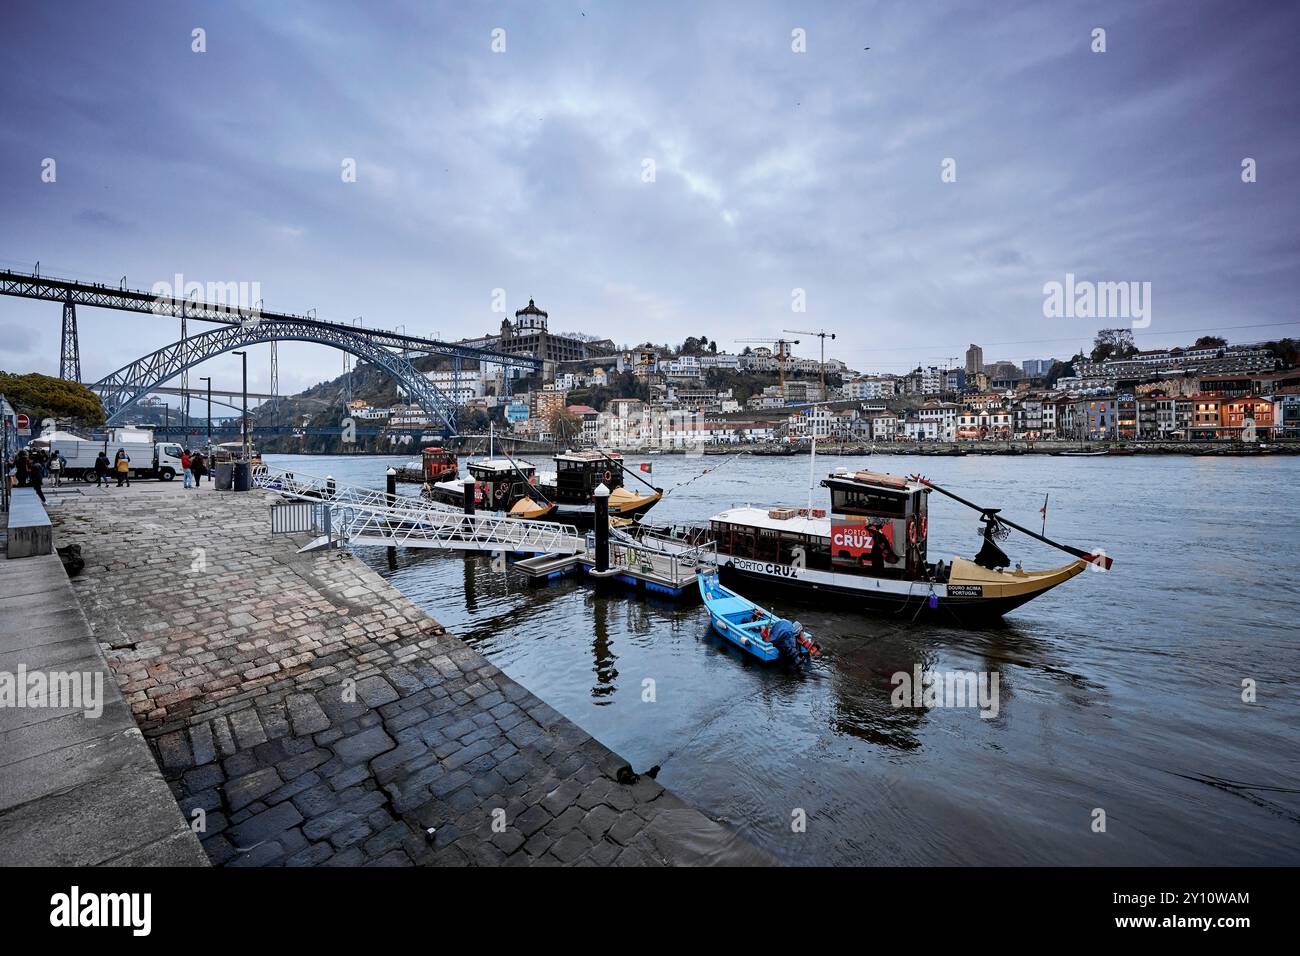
(622, 504)
(963, 600)
(744, 623)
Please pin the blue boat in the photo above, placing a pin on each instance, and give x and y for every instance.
(749, 626)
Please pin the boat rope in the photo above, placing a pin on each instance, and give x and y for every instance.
(706, 471)
(714, 718)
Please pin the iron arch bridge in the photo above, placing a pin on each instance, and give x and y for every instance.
(239, 327)
(122, 389)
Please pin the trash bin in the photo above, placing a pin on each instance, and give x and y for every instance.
(225, 473)
(243, 472)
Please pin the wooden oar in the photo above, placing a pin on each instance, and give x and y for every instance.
(1092, 557)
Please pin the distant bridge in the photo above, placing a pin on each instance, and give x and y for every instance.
(238, 328)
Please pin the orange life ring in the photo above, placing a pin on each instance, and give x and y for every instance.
(911, 531)
(925, 525)
(609, 475)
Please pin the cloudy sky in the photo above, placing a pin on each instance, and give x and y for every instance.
(773, 170)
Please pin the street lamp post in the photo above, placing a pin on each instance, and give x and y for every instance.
(244, 419)
(208, 379)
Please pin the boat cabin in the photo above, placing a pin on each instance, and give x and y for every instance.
(876, 517)
(438, 464)
(499, 482)
(877, 525)
(578, 473)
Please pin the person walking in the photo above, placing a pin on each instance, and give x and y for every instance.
(101, 470)
(56, 467)
(198, 466)
(122, 465)
(36, 479)
(187, 466)
(22, 467)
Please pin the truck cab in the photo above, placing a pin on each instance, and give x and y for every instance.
(166, 461)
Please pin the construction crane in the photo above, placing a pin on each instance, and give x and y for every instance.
(782, 353)
(821, 334)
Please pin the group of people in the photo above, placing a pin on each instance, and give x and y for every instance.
(32, 468)
(39, 464)
(195, 467)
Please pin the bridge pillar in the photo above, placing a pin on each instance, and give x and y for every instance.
(69, 351)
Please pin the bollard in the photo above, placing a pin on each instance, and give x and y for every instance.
(601, 498)
(390, 489)
(469, 496)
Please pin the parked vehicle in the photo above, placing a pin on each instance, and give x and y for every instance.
(149, 459)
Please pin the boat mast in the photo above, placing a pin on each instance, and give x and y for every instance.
(812, 472)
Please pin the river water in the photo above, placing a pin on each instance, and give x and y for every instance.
(1119, 693)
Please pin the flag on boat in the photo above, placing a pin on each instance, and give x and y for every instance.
(647, 466)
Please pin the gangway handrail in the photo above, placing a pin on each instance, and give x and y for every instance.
(367, 513)
(314, 488)
(455, 530)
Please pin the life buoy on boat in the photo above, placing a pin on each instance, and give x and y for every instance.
(911, 531)
(609, 475)
(500, 492)
(925, 525)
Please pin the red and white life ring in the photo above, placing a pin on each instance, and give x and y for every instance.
(925, 525)
(911, 531)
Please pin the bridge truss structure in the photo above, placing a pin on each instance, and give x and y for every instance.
(239, 327)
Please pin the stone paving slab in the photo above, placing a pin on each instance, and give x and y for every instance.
(76, 787)
(308, 714)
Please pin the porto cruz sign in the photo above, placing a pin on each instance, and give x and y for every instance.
(853, 539)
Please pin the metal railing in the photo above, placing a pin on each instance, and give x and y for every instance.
(663, 557)
(452, 530)
(312, 488)
(368, 516)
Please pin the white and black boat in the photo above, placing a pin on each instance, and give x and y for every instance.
(567, 494)
(869, 552)
(498, 484)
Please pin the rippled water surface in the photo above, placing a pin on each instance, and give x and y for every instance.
(1120, 692)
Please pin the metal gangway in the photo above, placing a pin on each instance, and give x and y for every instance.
(363, 516)
(309, 487)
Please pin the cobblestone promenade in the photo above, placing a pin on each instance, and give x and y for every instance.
(317, 717)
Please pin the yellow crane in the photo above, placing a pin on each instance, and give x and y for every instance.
(782, 353)
(821, 334)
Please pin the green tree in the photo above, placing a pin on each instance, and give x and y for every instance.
(1113, 344)
(1210, 342)
(44, 396)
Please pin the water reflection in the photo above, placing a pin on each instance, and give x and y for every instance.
(601, 648)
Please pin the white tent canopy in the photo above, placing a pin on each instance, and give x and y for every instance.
(57, 438)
